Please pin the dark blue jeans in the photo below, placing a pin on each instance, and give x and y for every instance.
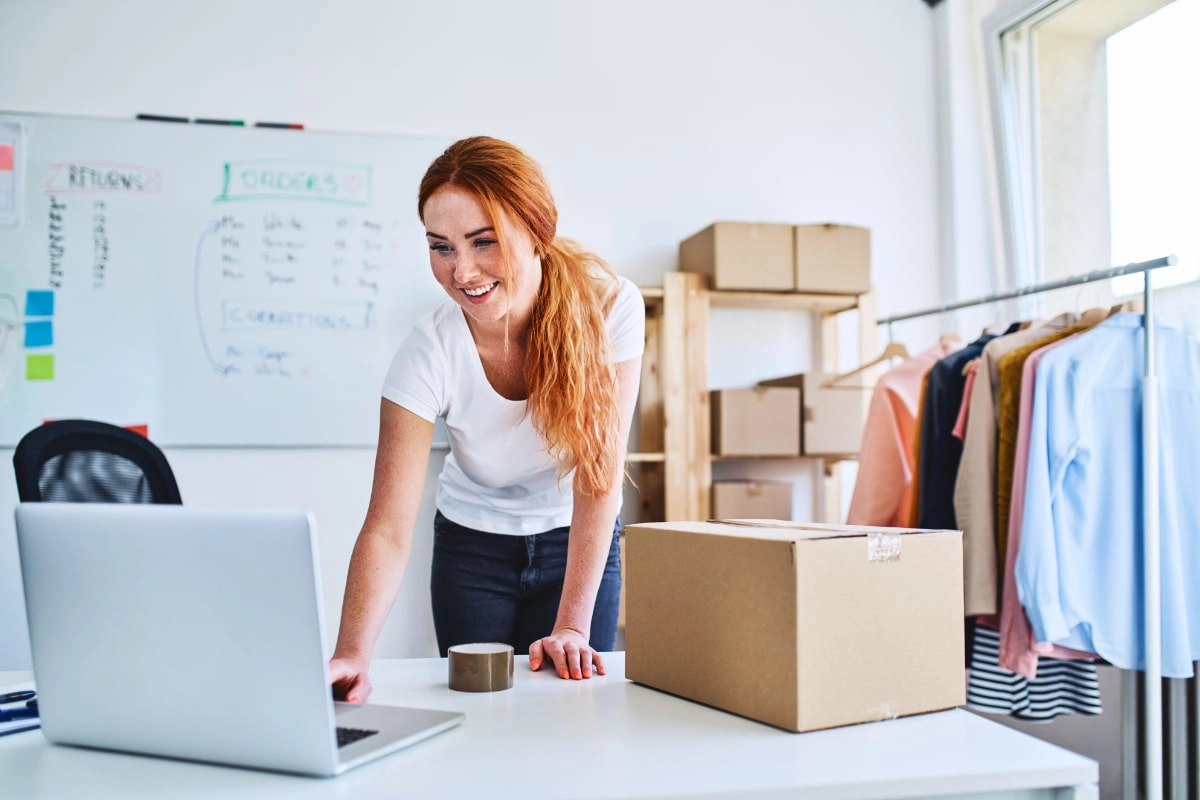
(491, 587)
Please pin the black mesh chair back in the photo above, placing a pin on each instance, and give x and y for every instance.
(84, 461)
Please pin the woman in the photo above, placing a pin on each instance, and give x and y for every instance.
(534, 364)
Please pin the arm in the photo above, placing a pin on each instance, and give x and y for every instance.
(592, 522)
(383, 546)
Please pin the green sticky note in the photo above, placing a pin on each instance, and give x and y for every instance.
(39, 368)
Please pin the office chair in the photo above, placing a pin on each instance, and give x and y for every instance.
(84, 461)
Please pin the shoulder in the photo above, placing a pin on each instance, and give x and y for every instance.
(622, 296)
(626, 320)
(431, 339)
(438, 325)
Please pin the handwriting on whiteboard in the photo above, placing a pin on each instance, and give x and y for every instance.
(280, 287)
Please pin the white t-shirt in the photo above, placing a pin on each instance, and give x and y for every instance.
(498, 476)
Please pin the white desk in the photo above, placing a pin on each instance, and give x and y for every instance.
(604, 737)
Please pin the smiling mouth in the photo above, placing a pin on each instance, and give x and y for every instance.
(480, 291)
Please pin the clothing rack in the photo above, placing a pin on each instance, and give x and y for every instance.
(1152, 710)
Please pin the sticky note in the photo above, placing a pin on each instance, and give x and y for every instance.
(39, 368)
(39, 334)
(39, 303)
(6, 158)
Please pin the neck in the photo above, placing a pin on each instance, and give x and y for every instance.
(491, 335)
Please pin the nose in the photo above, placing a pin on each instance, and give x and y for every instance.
(465, 268)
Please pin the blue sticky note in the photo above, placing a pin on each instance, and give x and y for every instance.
(39, 303)
(39, 334)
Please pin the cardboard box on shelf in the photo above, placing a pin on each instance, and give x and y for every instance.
(752, 499)
(831, 417)
(756, 421)
(832, 258)
(802, 626)
(742, 255)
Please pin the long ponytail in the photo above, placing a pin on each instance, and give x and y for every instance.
(569, 370)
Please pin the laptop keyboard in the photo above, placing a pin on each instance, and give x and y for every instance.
(351, 735)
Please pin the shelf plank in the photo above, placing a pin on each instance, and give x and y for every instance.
(788, 301)
(645, 458)
(845, 457)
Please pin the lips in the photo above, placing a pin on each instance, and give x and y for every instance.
(478, 294)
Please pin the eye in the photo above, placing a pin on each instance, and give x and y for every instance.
(440, 247)
(482, 243)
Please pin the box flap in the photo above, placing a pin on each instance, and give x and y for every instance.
(819, 530)
(783, 530)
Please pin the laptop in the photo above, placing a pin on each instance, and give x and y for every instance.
(193, 633)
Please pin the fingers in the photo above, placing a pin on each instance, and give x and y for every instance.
(571, 657)
(348, 681)
(571, 652)
(585, 661)
(359, 691)
(555, 650)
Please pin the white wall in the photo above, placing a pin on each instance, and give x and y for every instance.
(652, 119)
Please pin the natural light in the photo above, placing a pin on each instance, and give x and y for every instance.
(1154, 144)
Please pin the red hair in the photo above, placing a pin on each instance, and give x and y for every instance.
(569, 370)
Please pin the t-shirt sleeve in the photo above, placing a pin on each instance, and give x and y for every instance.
(416, 378)
(627, 322)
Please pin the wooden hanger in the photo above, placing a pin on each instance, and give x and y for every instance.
(893, 350)
(1136, 306)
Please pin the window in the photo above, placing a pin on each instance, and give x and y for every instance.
(1154, 151)
(1099, 161)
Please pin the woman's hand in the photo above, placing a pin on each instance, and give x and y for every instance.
(568, 651)
(348, 676)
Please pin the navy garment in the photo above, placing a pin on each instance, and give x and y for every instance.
(495, 587)
(940, 449)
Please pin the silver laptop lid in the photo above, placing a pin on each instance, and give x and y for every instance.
(179, 631)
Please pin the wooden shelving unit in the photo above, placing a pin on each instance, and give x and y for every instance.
(674, 447)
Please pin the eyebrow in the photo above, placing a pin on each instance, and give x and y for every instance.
(468, 236)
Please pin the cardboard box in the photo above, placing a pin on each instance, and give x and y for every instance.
(742, 255)
(752, 500)
(798, 625)
(831, 418)
(621, 597)
(832, 258)
(758, 421)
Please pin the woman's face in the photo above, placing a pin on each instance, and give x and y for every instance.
(466, 260)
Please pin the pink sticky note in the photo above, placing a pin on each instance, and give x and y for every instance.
(6, 158)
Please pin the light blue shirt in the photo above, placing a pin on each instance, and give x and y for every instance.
(1079, 566)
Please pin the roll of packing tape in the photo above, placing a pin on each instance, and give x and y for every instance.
(486, 667)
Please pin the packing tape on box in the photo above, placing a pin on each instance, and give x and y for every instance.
(483, 667)
(883, 546)
(880, 713)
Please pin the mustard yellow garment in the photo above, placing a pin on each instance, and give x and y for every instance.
(916, 456)
(1008, 409)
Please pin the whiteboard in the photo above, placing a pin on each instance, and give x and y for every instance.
(225, 286)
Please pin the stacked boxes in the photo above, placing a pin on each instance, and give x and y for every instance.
(759, 421)
(832, 417)
(780, 258)
(752, 500)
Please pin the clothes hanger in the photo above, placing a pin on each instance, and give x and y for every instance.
(1137, 306)
(893, 350)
